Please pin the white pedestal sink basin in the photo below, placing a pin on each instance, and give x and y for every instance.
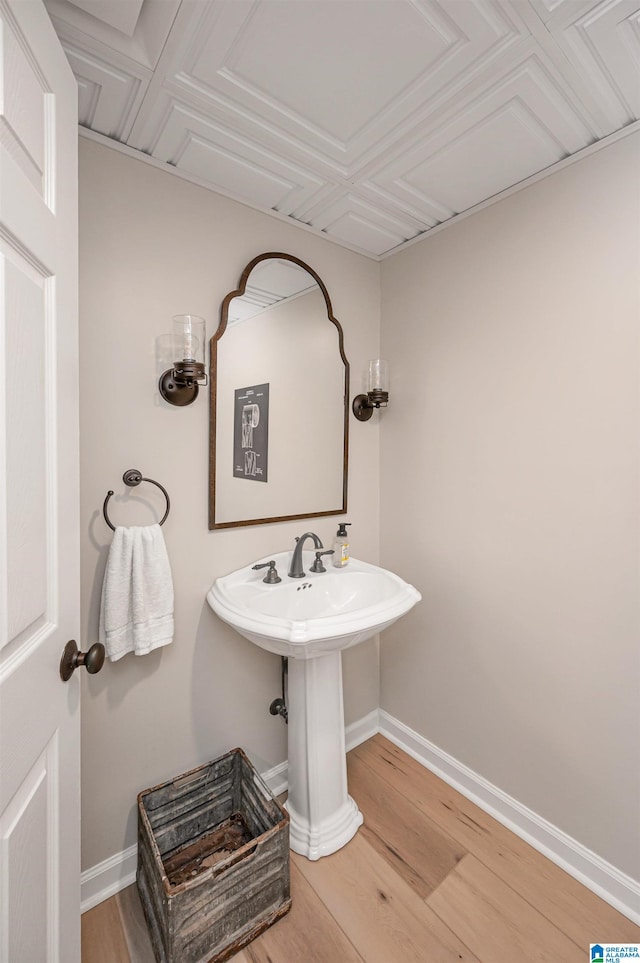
(311, 620)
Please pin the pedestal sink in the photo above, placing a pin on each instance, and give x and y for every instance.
(311, 620)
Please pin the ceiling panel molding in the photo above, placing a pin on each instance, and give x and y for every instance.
(371, 205)
(108, 97)
(187, 26)
(373, 121)
(323, 198)
(324, 215)
(577, 87)
(421, 209)
(190, 142)
(92, 48)
(334, 115)
(121, 16)
(349, 219)
(144, 133)
(112, 85)
(604, 46)
(445, 173)
(527, 67)
(88, 97)
(525, 112)
(546, 9)
(100, 34)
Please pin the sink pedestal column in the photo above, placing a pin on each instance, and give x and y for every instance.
(323, 816)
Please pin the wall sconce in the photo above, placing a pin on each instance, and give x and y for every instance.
(179, 385)
(377, 395)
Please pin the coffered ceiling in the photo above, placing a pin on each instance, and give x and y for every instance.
(371, 121)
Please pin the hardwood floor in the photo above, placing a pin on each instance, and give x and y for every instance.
(428, 878)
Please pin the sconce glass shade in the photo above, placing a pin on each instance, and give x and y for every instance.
(378, 382)
(188, 338)
(377, 395)
(378, 375)
(179, 384)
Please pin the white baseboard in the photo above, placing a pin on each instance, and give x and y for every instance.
(362, 730)
(613, 886)
(108, 878)
(621, 891)
(277, 779)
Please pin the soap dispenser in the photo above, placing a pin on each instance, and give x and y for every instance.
(341, 546)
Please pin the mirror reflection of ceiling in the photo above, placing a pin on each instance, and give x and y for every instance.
(271, 282)
(369, 121)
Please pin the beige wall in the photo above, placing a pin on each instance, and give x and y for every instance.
(509, 495)
(153, 245)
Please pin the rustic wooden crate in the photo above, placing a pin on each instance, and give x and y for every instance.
(213, 861)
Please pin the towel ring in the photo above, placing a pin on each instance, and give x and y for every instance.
(133, 477)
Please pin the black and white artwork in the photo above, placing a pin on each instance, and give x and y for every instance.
(251, 433)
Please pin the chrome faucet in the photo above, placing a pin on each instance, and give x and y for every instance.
(295, 571)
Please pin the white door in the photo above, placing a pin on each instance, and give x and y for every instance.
(39, 530)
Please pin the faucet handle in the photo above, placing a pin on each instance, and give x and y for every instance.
(317, 565)
(272, 576)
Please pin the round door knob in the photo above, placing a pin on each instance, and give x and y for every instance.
(93, 660)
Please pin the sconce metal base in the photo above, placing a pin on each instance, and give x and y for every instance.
(362, 407)
(177, 394)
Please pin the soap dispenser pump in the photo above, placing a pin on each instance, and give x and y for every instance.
(341, 546)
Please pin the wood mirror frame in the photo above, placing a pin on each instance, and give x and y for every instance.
(313, 401)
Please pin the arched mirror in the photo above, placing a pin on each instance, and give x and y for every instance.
(279, 399)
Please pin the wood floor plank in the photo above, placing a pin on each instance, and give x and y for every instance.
(307, 933)
(134, 925)
(408, 840)
(103, 939)
(378, 911)
(563, 900)
(497, 923)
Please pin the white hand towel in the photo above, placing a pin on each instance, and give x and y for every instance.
(136, 611)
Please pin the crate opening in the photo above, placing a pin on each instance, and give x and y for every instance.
(210, 849)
